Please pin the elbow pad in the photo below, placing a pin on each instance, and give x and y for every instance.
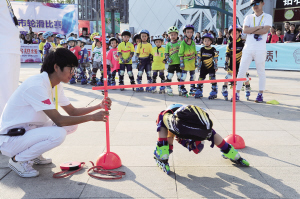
(131, 53)
(167, 55)
(137, 54)
(41, 51)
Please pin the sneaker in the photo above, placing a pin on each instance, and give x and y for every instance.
(42, 160)
(23, 169)
(259, 98)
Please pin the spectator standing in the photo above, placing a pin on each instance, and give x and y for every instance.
(180, 38)
(204, 31)
(22, 38)
(197, 39)
(151, 41)
(220, 38)
(291, 35)
(277, 38)
(9, 53)
(214, 34)
(40, 36)
(27, 40)
(226, 40)
(286, 27)
(271, 34)
(256, 26)
(35, 40)
(298, 36)
(225, 32)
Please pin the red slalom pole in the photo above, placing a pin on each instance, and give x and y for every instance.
(107, 160)
(236, 141)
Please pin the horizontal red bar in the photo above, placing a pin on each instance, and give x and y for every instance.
(168, 84)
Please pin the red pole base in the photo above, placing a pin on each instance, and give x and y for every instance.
(109, 160)
(239, 141)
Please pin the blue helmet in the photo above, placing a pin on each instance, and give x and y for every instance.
(107, 40)
(144, 31)
(71, 39)
(63, 41)
(60, 36)
(238, 27)
(174, 107)
(47, 34)
(126, 32)
(188, 26)
(209, 36)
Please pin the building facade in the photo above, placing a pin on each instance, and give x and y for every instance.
(158, 16)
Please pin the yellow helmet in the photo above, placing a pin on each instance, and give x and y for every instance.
(93, 35)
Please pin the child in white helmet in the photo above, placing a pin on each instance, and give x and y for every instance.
(171, 52)
(158, 63)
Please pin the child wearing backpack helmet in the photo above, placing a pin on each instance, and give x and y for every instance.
(187, 54)
(208, 64)
(191, 125)
(125, 53)
(48, 45)
(229, 61)
(84, 63)
(171, 53)
(158, 62)
(108, 64)
(143, 53)
(74, 46)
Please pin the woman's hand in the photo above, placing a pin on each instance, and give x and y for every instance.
(100, 116)
(105, 102)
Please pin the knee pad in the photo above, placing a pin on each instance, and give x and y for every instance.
(178, 76)
(140, 73)
(170, 76)
(183, 76)
(213, 133)
(148, 73)
(228, 76)
(130, 73)
(122, 72)
(212, 76)
(154, 74)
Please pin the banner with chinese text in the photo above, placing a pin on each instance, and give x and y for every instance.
(281, 56)
(30, 53)
(42, 17)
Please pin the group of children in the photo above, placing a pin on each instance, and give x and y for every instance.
(181, 57)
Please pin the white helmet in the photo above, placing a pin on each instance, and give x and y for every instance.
(158, 37)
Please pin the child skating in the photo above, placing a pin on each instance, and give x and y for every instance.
(187, 54)
(229, 61)
(158, 63)
(143, 52)
(208, 65)
(97, 59)
(113, 59)
(84, 63)
(125, 53)
(191, 125)
(171, 53)
(74, 46)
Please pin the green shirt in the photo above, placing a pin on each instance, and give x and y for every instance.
(173, 50)
(188, 52)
